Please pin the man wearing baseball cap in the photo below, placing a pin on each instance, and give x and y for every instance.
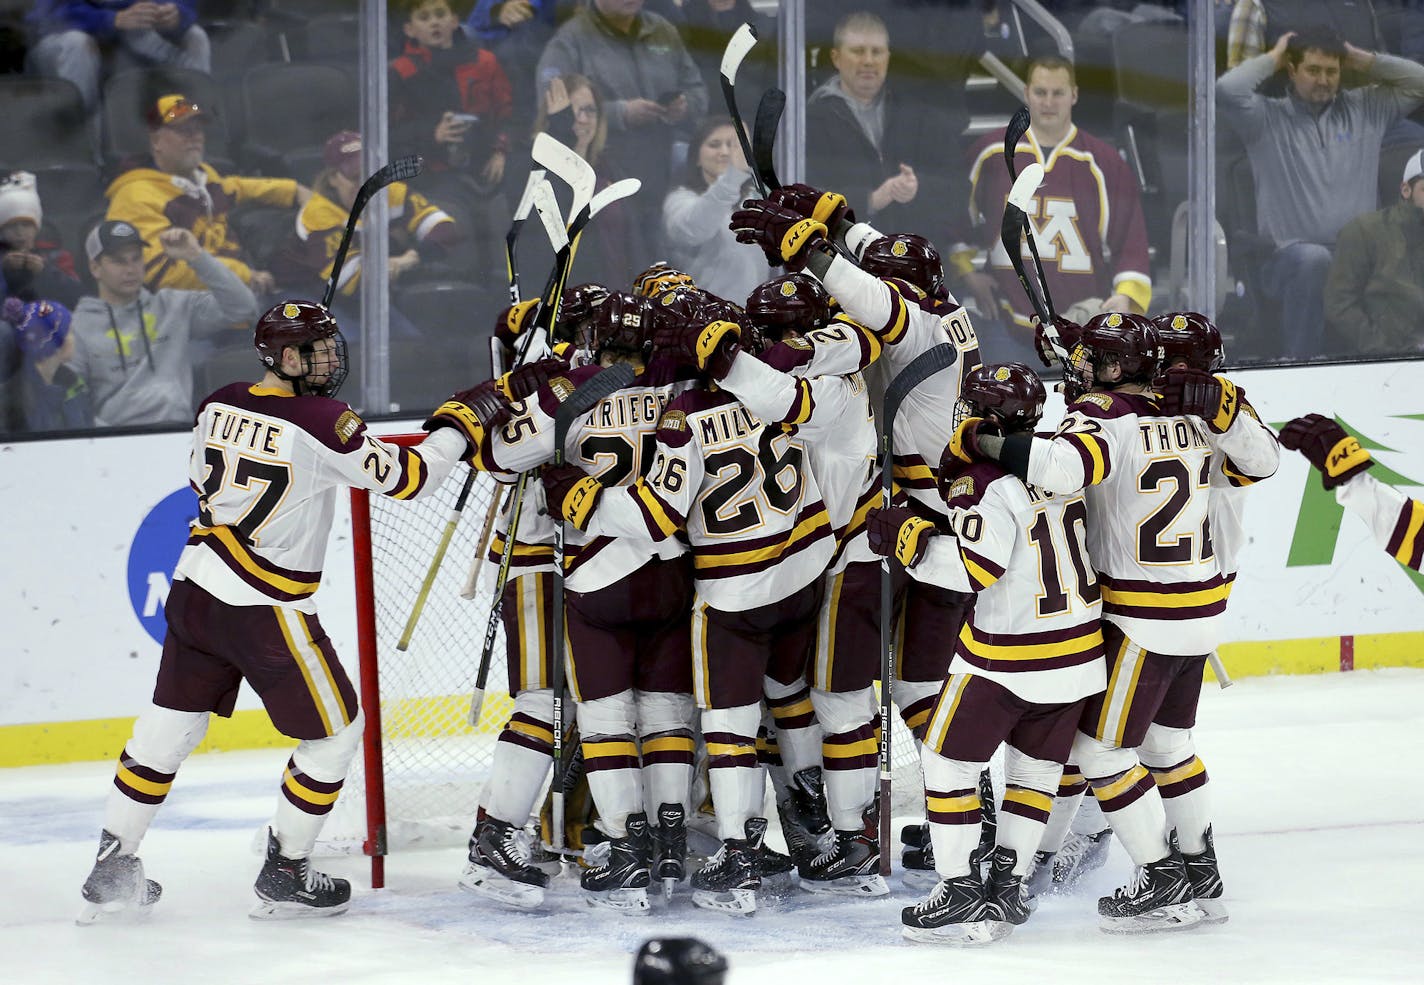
(180, 189)
(1374, 296)
(133, 345)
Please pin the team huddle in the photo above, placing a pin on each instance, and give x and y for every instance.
(722, 534)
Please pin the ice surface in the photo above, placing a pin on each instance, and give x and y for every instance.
(1319, 822)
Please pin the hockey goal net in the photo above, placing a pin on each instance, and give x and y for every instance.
(422, 768)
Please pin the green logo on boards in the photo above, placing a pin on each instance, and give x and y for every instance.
(1317, 525)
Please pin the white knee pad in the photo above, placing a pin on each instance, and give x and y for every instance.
(742, 720)
(163, 738)
(840, 712)
(328, 759)
(1163, 747)
(664, 711)
(1022, 770)
(613, 715)
(774, 689)
(943, 775)
(537, 703)
(1098, 760)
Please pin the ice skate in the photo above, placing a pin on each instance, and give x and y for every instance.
(729, 881)
(116, 889)
(498, 868)
(809, 798)
(1158, 898)
(802, 845)
(670, 848)
(289, 888)
(851, 866)
(621, 883)
(917, 856)
(1006, 893)
(956, 913)
(1039, 881)
(1080, 855)
(1206, 882)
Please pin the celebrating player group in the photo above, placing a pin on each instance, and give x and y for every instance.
(717, 540)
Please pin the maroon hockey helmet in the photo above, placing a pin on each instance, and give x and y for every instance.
(302, 324)
(909, 257)
(660, 278)
(1011, 395)
(622, 326)
(794, 303)
(576, 307)
(1191, 338)
(1128, 340)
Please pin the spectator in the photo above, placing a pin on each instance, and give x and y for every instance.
(895, 161)
(1253, 21)
(613, 248)
(696, 214)
(1087, 219)
(651, 86)
(516, 31)
(1314, 153)
(181, 190)
(133, 344)
(1374, 297)
(451, 103)
(35, 268)
(80, 39)
(44, 394)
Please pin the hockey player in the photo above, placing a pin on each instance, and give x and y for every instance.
(660, 278)
(627, 604)
(761, 539)
(898, 292)
(267, 460)
(1162, 589)
(1393, 518)
(1021, 671)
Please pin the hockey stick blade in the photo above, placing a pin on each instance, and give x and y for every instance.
(1011, 235)
(1025, 185)
(615, 192)
(401, 169)
(521, 212)
(1018, 126)
(573, 170)
(584, 399)
(548, 208)
(742, 42)
(768, 118)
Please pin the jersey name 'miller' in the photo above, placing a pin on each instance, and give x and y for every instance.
(1179, 435)
(242, 431)
(727, 424)
(624, 409)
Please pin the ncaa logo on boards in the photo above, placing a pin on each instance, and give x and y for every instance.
(154, 554)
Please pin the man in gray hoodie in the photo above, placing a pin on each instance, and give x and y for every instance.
(1314, 156)
(132, 344)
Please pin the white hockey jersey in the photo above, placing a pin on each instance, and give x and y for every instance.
(815, 383)
(614, 442)
(742, 489)
(266, 466)
(1394, 519)
(1034, 626)
(909, 322)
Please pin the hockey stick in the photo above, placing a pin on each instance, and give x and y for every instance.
(580, 402)
(1011, 233)
(1223, 679)
(742, 42)
(472, 581)
(404, 643)
(401, 169)
(521, 212)
(921, 368)
(768, 118)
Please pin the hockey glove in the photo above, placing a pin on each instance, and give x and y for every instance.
(1215, 399)
(512, 322)
(827, 207)
(475, 412)
(572, 493)
(521, 381)
(714, 346)
(782, 234)
(900, 533)
(1337, 455)
(964, 442)
(1068, 333)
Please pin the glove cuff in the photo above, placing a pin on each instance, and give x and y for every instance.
(716, 345)
(581, 500)
(1228, 407)
(461, 417)
(912, 540)
(1345, 460)
(799, 236)
(961, 443)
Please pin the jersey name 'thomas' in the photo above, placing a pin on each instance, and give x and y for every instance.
(1148, 478)
(1034, 626)
(266, 467)
(752, 509)
(613, 442)
(909, 323)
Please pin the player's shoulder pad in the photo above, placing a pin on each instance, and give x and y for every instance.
(1105, 406)
(330, 421)
(674, 429)
(789, 355)
(911, 293)
(965, 486)
(561, 387)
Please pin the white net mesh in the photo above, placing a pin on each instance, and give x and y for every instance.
(435, 764)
